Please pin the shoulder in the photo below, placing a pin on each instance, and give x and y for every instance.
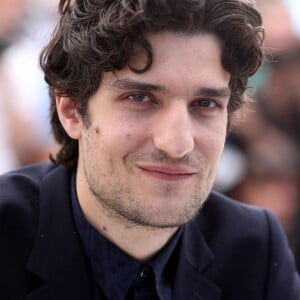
(235, 220)
(234, 213)
(20, 202)
(248, 239)
(20, 205)
(20, 193)
(247, 232)
(36, 171)
(23, 182)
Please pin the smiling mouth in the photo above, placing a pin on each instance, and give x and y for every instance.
(167, 174)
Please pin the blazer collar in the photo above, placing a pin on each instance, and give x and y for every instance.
(195, 259)
(57, 256)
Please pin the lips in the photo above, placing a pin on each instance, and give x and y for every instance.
(167, 172)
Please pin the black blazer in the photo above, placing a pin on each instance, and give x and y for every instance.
(230, 252)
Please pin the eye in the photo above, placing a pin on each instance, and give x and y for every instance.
(138, 98)
(207, 107)
(206, 103)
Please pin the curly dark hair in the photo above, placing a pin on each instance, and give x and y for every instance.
(96, 36)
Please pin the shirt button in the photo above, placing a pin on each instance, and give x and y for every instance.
(144, 272)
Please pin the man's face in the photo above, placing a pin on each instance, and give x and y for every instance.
(150, 151)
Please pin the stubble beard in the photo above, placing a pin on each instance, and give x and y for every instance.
(119, 202)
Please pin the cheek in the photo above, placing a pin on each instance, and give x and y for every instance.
(118, 139)
(218, 138)
(126, 130)
(211, 142)
(215, 148)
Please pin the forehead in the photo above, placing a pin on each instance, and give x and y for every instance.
(180, 61)
(191, 52)
(164, 43)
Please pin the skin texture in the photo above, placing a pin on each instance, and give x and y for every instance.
(150, 145)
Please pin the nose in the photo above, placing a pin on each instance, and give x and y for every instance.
(173, 132)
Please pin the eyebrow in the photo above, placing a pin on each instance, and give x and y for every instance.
(129, 84)
(223, 92)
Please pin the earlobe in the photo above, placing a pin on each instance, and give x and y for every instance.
(69, 116)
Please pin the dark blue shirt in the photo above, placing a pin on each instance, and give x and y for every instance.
(116, 275)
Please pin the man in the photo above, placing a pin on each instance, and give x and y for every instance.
(142, 93)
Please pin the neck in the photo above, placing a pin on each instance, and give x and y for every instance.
(139, 241)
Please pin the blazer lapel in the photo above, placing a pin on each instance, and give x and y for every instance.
(194, 259)
(71, 283)
(57, 256)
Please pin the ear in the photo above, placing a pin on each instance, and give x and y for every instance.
(69, 117)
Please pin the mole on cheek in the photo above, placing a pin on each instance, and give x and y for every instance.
(128, 135)
(97, 130)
